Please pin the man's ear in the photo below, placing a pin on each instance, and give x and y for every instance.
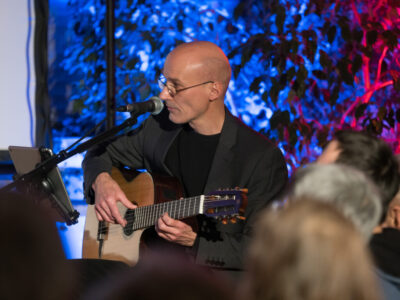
(216, 90)
(396, 216)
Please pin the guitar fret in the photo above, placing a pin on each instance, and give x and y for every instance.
(162, 209)
(136, 218)
(146, 214)
(143, 212)
(142, 216)
(155, 212)
(169, 208)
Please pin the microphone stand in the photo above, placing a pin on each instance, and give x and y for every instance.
(39, 172)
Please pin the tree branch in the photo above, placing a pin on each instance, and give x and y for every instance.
(378, 74)
(355, 12)
(366, 97)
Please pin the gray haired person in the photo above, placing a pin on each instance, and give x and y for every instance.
(348, 189)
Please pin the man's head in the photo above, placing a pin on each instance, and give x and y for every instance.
(197, 76)
(369, 155)
(343, 186)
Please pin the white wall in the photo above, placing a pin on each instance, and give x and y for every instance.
(15, 119)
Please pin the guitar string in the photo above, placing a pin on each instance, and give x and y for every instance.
(152, 213)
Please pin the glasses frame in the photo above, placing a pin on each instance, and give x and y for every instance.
(162, 83)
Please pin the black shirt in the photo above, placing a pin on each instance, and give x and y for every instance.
(190, 159)
(385, 249)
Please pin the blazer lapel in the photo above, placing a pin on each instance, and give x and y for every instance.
(164, 143)
(221, 172)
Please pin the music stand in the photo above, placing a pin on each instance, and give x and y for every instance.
(49, 185)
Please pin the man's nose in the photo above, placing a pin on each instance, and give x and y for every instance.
(164, 94)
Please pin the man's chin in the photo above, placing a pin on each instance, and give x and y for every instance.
(175, 119)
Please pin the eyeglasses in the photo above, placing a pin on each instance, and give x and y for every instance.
(162, 83)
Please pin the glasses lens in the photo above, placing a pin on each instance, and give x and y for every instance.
(162, 83)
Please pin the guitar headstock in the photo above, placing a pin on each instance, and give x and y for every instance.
(226, 204)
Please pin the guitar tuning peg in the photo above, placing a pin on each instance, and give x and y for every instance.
(224, 221)
(233, 220)
(240, 218)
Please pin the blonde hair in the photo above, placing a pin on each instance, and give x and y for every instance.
(309, 251)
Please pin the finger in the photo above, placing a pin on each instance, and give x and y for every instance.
(125, 201)
(105, 207)
(161, 227)
(170, 221)
(99, 217)
(104, 214)
(117, 216)
(167, 219)
(166, 229)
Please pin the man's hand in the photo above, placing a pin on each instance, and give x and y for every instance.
(107, 194)
(175, 231)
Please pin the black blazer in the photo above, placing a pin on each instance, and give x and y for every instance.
(243, 158)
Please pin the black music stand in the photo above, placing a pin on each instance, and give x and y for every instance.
(49, 185)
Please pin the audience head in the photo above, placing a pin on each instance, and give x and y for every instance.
(33, 265)
(343, 186)
(167, 277)
(370, 155)
(308, 250)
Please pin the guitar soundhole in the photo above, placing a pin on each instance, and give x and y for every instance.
(130, 217)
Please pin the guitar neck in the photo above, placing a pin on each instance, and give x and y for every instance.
(146, 216)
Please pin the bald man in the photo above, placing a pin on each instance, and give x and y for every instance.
(198, 141)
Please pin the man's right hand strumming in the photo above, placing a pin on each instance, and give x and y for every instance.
(107, 194)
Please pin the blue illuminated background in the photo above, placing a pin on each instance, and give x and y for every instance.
(301, 69)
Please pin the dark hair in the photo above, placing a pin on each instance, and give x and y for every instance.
(33, 261)
(163, 276)
(372, 156)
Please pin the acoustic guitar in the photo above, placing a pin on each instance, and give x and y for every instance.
(152, 194)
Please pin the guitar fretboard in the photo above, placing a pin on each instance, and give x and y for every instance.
(146, 216)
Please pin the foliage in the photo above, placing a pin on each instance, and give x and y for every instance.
(334, 64)
(145, 33)
(302, 69)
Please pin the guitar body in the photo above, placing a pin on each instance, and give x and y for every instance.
(141, 189)
(154, 195)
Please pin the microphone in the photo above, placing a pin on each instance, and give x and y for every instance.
(153, 105)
